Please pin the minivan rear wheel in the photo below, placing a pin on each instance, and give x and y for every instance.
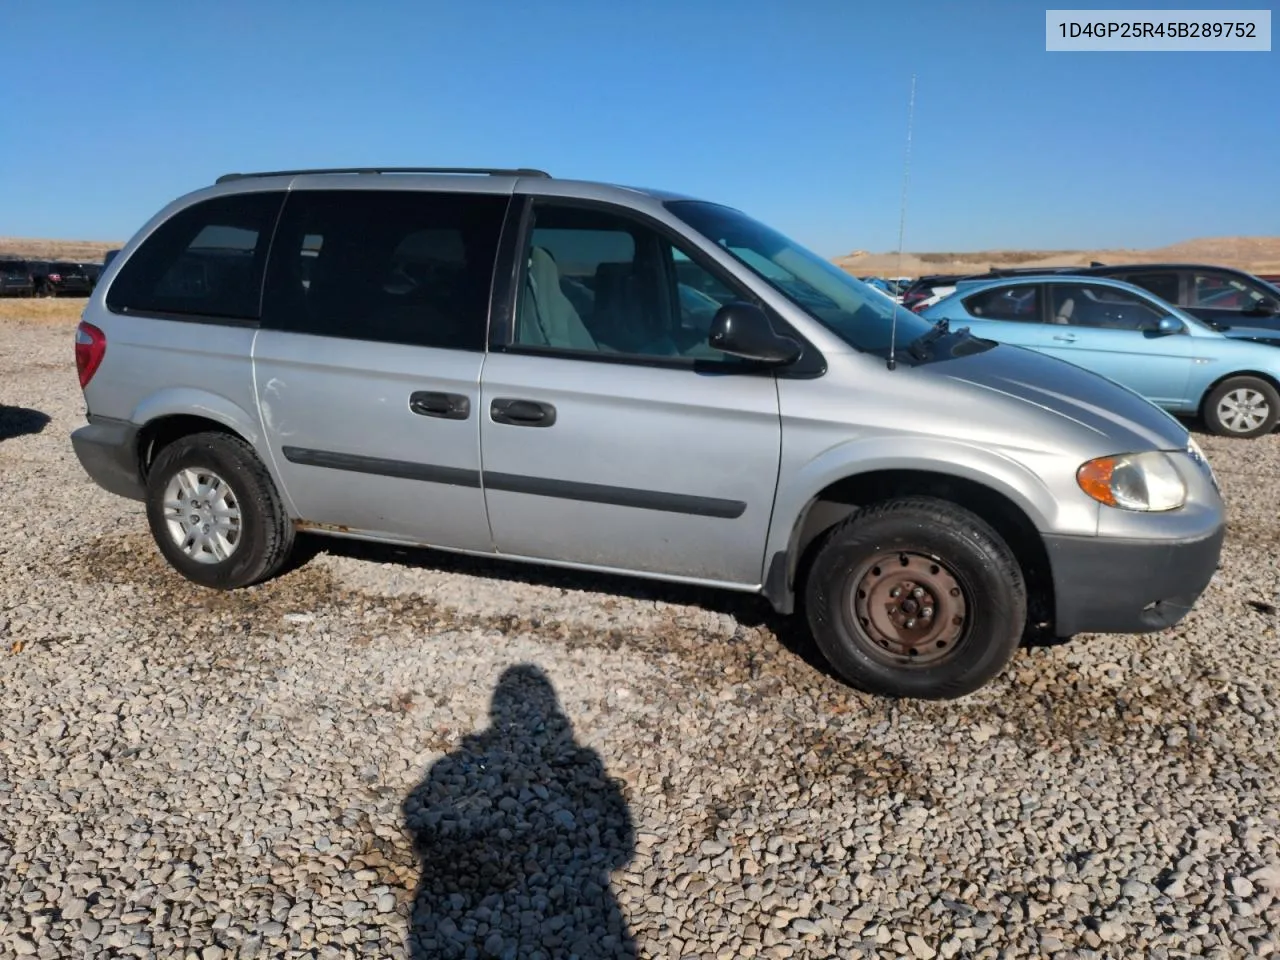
(916, 597)
(215, 513)
(1243, 407)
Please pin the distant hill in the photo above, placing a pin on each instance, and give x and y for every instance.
(85, 251)
(1254, 254)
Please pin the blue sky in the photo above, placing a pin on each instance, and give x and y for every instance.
(793, 111)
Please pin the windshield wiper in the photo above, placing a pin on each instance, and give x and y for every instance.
(918, 346)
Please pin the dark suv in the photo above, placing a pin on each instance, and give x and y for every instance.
(15, 279)
(1221, 296)
(62, 278)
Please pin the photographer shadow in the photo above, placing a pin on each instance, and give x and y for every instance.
(516, 831)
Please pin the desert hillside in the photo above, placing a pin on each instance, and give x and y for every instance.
(83, 251)
(1255, 254)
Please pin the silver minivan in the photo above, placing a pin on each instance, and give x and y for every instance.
(500, 362)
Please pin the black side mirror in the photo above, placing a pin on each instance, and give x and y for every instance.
(743, 330)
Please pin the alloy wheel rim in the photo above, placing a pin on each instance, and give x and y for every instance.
(1243, 410)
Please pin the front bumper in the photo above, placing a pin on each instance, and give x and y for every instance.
(108, 451)
(1113, 585)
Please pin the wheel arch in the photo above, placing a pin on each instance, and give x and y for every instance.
(1213, 385)
(1014, 517)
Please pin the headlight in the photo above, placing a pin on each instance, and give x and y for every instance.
(1196, 454)
(1134, 481)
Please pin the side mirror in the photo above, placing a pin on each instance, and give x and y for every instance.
(1169, 325)
(743, 330)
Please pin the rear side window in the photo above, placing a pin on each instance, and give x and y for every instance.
(1006, 303)
(409, 267)
(205, 261)
(1163, 285)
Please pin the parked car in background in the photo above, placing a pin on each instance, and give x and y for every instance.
(60, 278)
(929, 289)
(430, 379)
(16, 279)
(1221, 296)
(93, 271)
(1131, 336)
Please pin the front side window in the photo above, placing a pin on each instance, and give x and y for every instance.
(1020, 303)
(408, 267)
(839, 301)
(1225, 291)
(598, 282)
(207, 260)
(1090, 305)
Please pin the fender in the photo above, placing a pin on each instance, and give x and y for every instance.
(799, 490)
(192, 401)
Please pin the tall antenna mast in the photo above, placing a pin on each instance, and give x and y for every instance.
(902, 223)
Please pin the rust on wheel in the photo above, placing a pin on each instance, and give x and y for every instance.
(909, 605)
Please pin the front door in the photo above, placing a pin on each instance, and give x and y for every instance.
(367, 366)
(613, 436)
(1113, 332)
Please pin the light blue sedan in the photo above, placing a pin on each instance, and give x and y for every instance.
(1130, 336)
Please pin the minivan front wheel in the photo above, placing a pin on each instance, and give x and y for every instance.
(1243, 407)
(214, 512)
(916, 597)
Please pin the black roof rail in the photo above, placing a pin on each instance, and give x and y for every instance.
(488, 171)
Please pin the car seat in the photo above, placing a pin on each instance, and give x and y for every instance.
(547, 316)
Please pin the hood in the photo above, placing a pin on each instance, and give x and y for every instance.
(1126, 421)
(1256, 334)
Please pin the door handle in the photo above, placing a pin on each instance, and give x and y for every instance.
(522, 413)
(1065, 337)
(447, 406)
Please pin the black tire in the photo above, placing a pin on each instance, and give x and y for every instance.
(951, 657)
(1265, 396)
(266, 533)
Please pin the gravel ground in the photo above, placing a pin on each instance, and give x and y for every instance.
(389, 753)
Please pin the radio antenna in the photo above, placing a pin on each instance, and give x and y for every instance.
(902, 224)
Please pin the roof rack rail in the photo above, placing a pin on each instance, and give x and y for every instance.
(488, 171)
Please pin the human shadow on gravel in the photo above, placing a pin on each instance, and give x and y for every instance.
(20, 421)
(517, 831)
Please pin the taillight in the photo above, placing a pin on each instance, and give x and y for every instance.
(91, 346)
(55, 277)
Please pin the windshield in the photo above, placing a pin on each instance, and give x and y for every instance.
(843, 304)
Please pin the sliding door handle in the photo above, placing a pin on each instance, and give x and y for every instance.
(446, 406)
(522, 413)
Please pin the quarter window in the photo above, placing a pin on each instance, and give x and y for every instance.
(411, 267)
(1006, 303)
(600, 283)
(205, 261)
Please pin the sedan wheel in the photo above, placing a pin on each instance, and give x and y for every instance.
(1242, 407)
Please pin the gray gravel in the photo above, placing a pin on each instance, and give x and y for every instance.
(390, 753)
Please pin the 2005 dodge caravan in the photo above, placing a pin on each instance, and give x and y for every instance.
(501, 362)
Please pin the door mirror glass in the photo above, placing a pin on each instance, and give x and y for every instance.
(1169, 325)
(743, 330)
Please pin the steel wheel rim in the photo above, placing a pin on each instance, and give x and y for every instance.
(909, 608)
(1243, 409)
(202, 515)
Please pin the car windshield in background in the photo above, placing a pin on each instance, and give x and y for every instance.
(65, 268)
(839, 301)
(13, 267)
